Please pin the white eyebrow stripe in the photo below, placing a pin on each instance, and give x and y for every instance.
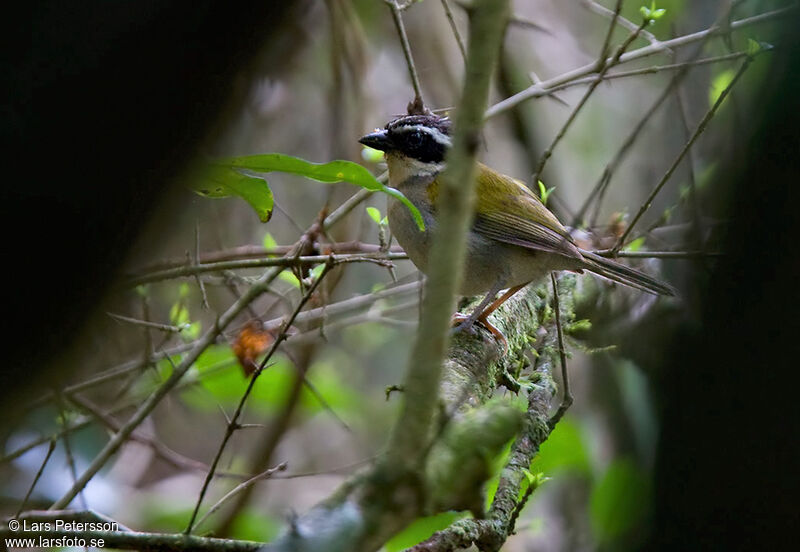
(438, 136)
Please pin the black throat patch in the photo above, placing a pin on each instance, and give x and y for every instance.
(422, 137)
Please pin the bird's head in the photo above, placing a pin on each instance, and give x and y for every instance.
(424, 138)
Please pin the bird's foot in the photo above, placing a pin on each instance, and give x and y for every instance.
(463, 323)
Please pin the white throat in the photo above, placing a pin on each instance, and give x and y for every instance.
(401, 168)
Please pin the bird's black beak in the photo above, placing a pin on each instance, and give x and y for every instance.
(378, 140)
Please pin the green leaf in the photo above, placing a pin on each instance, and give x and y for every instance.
(191, 331)
(496, 469)
(269, 242)
(652, 14)
(544, 193)
(719, 84)
(563, 450)
(635, 245)
(178, 315)
(534, 481)
(254, 525)
(334, 171)
(334, 389)
(220, 179)
(620, 501)
(316, 271)
(582, 325)
(374, 214)
(289, 277)
(371, 155)
(270, 391)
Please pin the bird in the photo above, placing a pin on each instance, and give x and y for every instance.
(514, 238)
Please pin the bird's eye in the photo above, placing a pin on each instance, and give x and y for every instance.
(415, 138)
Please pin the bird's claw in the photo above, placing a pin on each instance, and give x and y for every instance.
(463, 323)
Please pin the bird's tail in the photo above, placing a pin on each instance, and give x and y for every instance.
(625, 275)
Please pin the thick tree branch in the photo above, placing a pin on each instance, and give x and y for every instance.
(520, 317)
(487, 23)
(366, 512)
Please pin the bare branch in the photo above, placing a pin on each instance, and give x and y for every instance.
(148, 405)
(697, 132)
(621, 21)
(401, 32)
(460, 41)
(239, 488)
(145, 324)
(233, 424)
(566, 400)
(540, 89)
(123, 540)
(285, 262)
(36, 478)
(487, 22)
(603, 66)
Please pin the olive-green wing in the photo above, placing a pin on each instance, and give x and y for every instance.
(511, 213)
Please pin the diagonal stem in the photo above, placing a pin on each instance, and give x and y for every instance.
(696, 134)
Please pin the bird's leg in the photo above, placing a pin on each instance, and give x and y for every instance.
(482, 311)
(464, 322)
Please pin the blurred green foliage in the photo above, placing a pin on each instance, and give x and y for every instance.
(421, 529)
(564, 450)
(620, 503)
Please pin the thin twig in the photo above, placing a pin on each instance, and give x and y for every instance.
(335, 309)
(113, 374)
(129, 540)
(401, 32)
(697, 132)
(85, 422)
(694, 200)
(152, 401)
(449, 14)
(67, 448)
(233, 424)
(411, 430)
(325, 404)
(257, 251)
(145, 324)
(600, 187)
(539, 89)
(36, 478)
(652, 70)
(566, 400)
(621, 21)
(239, 488)
(603, 67)
(286, 262)
(598, 190)
(196, 260)
(351, 203)
(161, 450)
(601, 62)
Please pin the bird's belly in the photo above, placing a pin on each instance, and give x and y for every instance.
(487, 262)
